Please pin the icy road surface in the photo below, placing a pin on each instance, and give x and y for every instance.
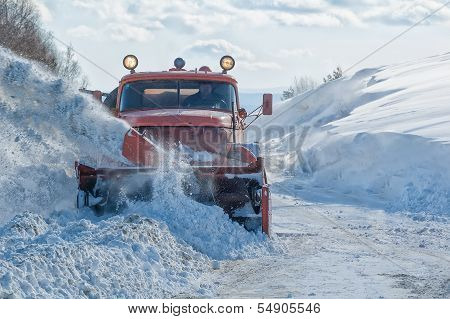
(343, 251)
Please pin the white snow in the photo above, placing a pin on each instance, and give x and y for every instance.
(46, 126)
(360, 182)
(120, 257)
(48, 249)
(196, 156)
(380, 135)
(206, 228)
(343, 251)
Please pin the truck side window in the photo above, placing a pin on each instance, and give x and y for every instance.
(110, 100)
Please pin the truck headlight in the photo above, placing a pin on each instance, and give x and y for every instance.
(130, 62)
(227, 63)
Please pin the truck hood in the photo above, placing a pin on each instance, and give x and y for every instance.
(177, 117)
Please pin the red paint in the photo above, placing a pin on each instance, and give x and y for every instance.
(266, 210)
(199, 129)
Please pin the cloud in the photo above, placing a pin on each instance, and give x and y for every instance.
(348, 17)
(209, 17)
(259, 65)
(198, 23)
(406, 13)
(204, 17)
(124, 32)
(338, 13)
(299, 6)
(302, 13)
(122, 21)
(44, 11)
(117, 32)
(82, 31)
(219, 47)
(306, 20)
(296, 52)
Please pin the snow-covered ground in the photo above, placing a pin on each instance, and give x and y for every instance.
(360, 188)
(381, 135)
(45, 126)
(342, 251)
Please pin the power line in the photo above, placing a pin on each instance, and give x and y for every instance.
(86, 58)
(397, 36)
(313, 91)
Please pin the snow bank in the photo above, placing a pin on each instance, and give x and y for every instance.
(120, 257)
(381, 135)
(206, 228)
(46, 126)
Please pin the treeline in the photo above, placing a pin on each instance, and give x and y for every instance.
(21, 31)
(306, 83)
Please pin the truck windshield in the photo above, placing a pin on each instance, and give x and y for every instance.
(177, 94)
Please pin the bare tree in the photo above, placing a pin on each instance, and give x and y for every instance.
(84, 82)
(20, 32)
(287, 94)
(68, 68)
(336, 74)
(300, 85)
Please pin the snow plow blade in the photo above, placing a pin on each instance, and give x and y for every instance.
(236, 186)
(231, 188)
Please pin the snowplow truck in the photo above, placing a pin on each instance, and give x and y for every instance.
(196, 113)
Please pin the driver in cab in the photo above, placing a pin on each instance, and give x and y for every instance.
(205, 98)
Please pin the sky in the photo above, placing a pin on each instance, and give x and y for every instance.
(271, 41)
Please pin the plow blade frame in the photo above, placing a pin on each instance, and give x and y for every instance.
(266, 210)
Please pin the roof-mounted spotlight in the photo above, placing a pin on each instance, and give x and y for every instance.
(179, 63)
(226, 63)
(130, 62)
(205, 69)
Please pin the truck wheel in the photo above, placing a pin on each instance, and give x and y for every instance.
(111, 203)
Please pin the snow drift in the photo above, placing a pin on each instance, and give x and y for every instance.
(380, 136)
(120, 257)
(49, 249)
(206, 228)
(45, 127)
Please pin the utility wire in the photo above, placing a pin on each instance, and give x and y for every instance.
(308, 93)
(85, 58)
(398, 36)
(311, 92)
(346, 70)
(113, 76)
